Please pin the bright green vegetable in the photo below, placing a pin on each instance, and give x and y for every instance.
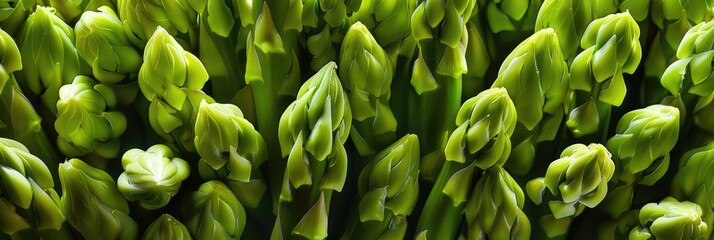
(141, 18)
(272, 70)
(536, 77)
(92, 203)
(313, 131)
(16, 12)
(213, 212)
(231, 150)
(479, 50)
(151, 177)
(670, 219)
(641, 150)
(103, 44)
(612, 48)
(323, 22)
(366, 72)
(481, 141)
(495, 208)
(693, 182)
(389, 189)
(172, 79)
(28, 201)
(439, 28)
(687, 79)
(577, 180)
(221, 47)
(18, 118)
(386, 20)
(69, 11)
(673, 18)
(166, 227)
(86, 122)
(50, 58)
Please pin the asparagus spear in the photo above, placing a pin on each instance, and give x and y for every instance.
(166, 227)
(577, 180)
(641, 151)
(231, 150)
(439, 28)
(214, 212)
(28, 203)
(536, 77)
(151, 177)
(172, 79)
(92, 203)
(312, 132)
(388, 189)
(103, 44)
(366, 72)
(670, 219)
(692, 181)
(86, 122)
(597, 83)
(481, 141)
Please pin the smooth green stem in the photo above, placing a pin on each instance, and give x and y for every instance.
(269, 96)
(439, 217)
(437, 111)
(401, 91)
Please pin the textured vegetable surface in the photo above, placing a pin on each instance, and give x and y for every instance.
(357, 119)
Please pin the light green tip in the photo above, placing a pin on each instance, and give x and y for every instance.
(153, 176)
(670, 219)
(93, 204)
(214, 212)
(166, 227)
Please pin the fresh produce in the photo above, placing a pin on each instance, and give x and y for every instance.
(357, 119)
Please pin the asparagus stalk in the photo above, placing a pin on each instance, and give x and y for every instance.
(50, 58)
(104, 45)
(495, 208)
(86, 123)
(670, 219)
(28, 202)
(577, 180)
(673, 18)
(692, 181)
(597, 83)
(687, 78)
(219, 41)
(641, 151)
(439, 28)
(141, 18)
(367, 76)
(511, 22)
(388, 190)
(16, 14)
(213, 212)
(481, 141)
(312, 132)
(92, 203)
(21, 122)
(326, 22)
(536, 77)
(166, 227)
(272, 71)
(231, 150)
(171, 79)
(151, 177)
(70, 11)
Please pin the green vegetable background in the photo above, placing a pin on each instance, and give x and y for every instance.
(357, 119)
